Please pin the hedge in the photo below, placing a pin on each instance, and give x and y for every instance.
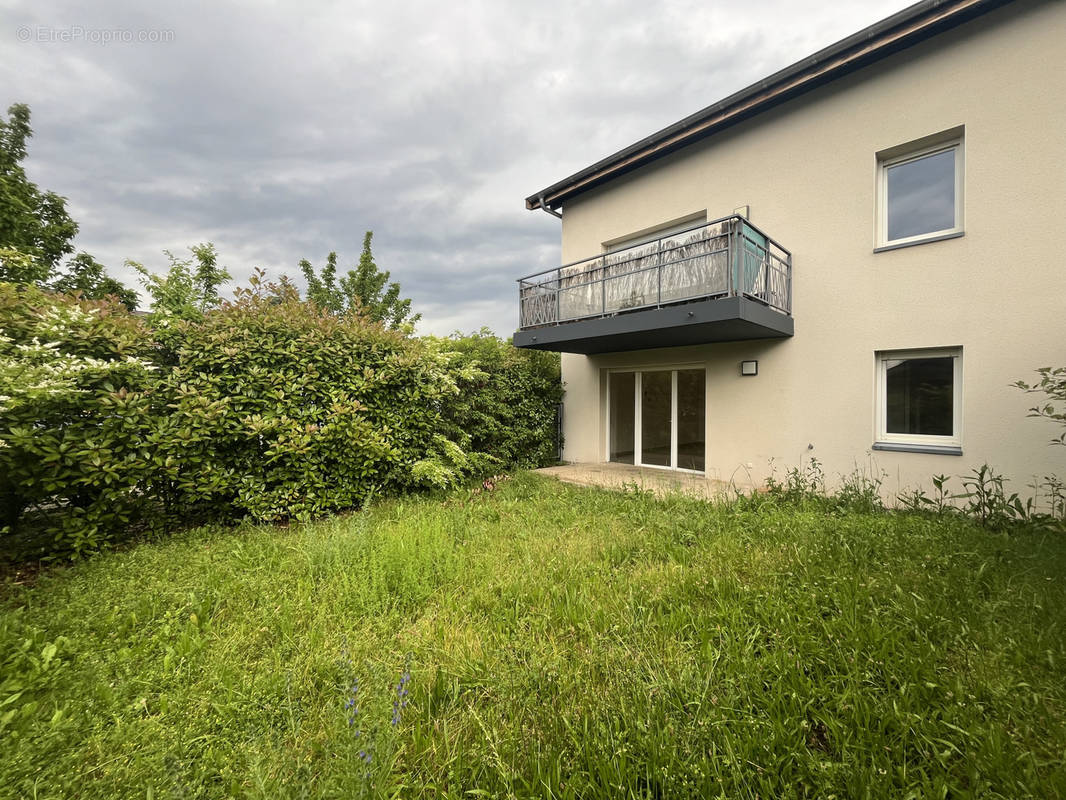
(267, 408)
(507, 401)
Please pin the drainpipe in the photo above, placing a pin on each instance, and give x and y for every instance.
(543, 205)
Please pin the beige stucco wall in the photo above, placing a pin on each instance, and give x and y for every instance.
(808, 171)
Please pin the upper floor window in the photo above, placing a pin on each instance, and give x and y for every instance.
(920, 193)
(657, 232)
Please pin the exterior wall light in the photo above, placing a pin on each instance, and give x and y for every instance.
(749, 367)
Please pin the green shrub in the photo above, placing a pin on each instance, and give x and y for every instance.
(73, 409)
(985, 500)
(1052, 384)
(266, 407)
(507, 400)
(277, 409)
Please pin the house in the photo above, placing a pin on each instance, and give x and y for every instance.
(851, 260)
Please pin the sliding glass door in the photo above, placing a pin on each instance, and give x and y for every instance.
(656, 418)
(622, 411)
(691, 419)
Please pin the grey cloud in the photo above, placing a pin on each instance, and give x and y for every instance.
(283, 131)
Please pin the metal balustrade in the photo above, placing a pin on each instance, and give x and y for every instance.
(728, 257)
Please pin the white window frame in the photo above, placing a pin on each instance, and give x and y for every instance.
(903, 155)
(912, 440)
(638, 417)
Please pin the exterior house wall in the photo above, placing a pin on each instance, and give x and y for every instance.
(808, 171)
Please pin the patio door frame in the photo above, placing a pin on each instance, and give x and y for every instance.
(638, 418)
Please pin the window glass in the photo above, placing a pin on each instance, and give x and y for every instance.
(659, 233)
(660, 415)
(919, 396)
(622, 390)
(691, 391)
(655, 416)
(921, 195)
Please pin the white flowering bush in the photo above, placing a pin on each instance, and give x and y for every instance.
(73, 377)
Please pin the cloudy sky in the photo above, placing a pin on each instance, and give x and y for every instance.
(283, 130)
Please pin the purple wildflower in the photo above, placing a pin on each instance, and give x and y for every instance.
(400, 702)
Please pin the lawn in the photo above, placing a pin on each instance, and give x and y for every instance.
(559, 642)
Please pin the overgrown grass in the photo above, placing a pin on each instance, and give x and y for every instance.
(562, 642)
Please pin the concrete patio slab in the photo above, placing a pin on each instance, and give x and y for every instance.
(617, 476)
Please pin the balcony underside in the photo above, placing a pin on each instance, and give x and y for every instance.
(724, 319)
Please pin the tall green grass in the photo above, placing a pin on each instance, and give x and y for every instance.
(562, 642)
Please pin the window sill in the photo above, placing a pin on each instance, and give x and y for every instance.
(931, 449)
(942, 237)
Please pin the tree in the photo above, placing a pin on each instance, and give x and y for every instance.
(366, 284)
(365, 288)
(36, 231)
(189, 287)
(85, 276)
(19, 267)
(323, 290)
(33, 222)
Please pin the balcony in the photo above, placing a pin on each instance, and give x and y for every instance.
(720, 281)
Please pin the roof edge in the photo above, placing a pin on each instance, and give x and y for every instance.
(903, 29)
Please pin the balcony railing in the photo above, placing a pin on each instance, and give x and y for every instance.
(729, 257)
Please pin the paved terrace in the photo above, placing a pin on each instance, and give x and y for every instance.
(616, 476)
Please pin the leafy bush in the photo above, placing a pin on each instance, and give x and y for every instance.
(985, 500)
(801, 484)
(1052, 383)
(267, 407)
(189, 287)
(917, 499)
(17, 266)
(72, 379)
(507, 399)
(984, 497)
(278, 409)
